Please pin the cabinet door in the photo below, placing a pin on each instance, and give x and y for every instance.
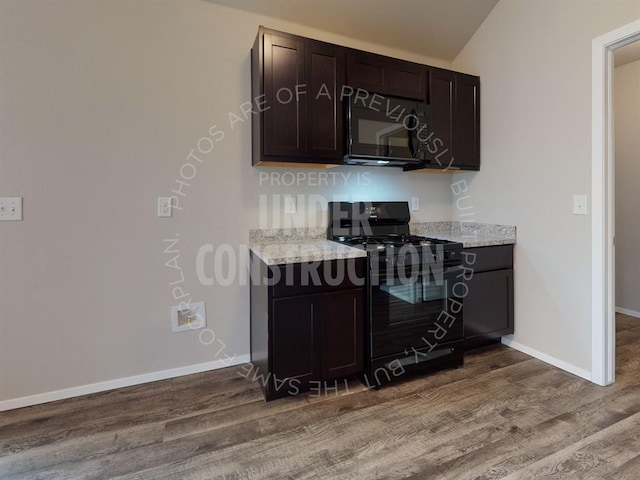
(342, 333)
(488, 306)
(441, 92)
(407, 80)
(367, 71)
(325, 72)
(284, 121)
(293, 339)
(466, 126)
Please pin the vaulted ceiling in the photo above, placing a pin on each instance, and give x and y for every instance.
(435, 28)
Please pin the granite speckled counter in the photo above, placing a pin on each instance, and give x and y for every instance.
(295, 245)
(281, 246)
(470, 234)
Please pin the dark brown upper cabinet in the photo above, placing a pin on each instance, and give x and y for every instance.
(386, 76)
(284, 121)
(296, 86)
(407, 79)
(299, 117)
(455, 104)
(325, 74)
(466, 122)
(367, 71)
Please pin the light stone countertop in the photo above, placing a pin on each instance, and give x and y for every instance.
(471, 240)
(276, 253)
(470, 234)
(296, 245)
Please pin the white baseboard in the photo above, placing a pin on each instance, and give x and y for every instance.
(119, 383)
(561, 364)
(631, 313)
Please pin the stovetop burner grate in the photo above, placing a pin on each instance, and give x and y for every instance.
(392, 240)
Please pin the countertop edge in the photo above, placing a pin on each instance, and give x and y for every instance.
(472, 241)
(304, 251)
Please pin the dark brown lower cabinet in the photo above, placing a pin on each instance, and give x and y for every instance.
(304, 335)
(488, 305)
(294, 331)
(342, 333)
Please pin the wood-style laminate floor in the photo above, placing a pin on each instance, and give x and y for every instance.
(503, 415)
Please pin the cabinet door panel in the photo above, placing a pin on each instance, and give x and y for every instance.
(283, 74)
(325, 74)
(441, 92)
(342, 333)
(467, 122)
(367, 71)
(488, 306)
(293, 338)
(408, 80)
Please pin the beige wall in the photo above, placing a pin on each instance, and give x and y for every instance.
(627, 146)
(534, 59)
(100, 104)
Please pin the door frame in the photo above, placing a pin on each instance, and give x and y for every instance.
(603, 201)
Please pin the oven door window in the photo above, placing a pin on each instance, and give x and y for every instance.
(405, 309)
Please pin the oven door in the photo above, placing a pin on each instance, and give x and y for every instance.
(414, 310)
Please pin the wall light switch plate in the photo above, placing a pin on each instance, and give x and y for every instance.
(580, 205)
(188, 317)
(289, 205)
(164, 207)
(10, 209)
(415, 204)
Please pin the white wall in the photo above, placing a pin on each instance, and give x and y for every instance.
(101, 102)
(627, 146)
(534, 59)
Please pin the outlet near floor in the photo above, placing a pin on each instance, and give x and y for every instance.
(188, 317)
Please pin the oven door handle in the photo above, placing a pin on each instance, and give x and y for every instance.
(453, 270)
(415, 271)
(415, 275)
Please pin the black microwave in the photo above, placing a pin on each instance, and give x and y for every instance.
(387, 131)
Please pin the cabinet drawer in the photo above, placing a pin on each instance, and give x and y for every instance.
(488, 258)
(316, 277)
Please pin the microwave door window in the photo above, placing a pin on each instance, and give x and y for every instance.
(384, 137)
(393, 137)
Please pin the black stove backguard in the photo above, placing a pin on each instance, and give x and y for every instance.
(415, 292)
(356, 219)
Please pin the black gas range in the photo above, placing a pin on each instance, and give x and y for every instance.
(415, 291)
(398, 248)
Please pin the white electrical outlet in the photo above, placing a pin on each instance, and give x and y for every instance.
(10, 209)
(289, 205)
(580, 205)
(415, 204)
(164, 207)
(188, 317)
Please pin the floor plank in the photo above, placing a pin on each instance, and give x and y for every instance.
(502, 415)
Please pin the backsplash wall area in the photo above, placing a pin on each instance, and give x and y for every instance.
(311, 189)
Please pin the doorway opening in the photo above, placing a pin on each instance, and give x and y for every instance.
(603, 201)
